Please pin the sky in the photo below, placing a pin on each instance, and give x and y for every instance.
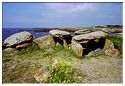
(50, 15)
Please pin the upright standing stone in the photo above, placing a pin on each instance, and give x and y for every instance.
(77, 48)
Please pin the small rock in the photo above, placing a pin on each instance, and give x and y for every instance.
(9, 49)
(110, 52)
(41, 75)
(96, 52)
(115, 52)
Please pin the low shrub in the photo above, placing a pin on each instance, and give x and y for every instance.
(62, 72)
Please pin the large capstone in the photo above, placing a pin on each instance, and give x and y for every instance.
(18, 39)
(90, 36)
(61, 37)
(59, 33)
(85, 31)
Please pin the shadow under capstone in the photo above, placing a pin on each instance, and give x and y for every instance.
(93, 45)
(60, 40)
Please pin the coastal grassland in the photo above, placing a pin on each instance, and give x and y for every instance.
(64, 66)
(92, 28)
(19, 66)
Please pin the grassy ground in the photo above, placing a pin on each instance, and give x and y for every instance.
(93, 28)
(63, 66)
(20, 66)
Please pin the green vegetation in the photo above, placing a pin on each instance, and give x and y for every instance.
(62, 72)
(117, 41)
(19, 66)
(62, 65)
(33, 47)
(109, 27)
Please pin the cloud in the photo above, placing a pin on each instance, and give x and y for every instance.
(70, 7)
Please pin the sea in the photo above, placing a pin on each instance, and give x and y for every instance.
(6, 32)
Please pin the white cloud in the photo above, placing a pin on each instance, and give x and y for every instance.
(70, 7)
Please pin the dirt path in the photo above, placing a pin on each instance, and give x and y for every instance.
(101, 70)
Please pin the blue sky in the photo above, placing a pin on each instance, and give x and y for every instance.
(32, 15)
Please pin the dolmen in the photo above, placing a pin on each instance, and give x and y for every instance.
(92, 42)
(54, 38)
(84, 42)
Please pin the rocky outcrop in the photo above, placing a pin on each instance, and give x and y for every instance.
(18, 40)
(61, 37)
(45, 41)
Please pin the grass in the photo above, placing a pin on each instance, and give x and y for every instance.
(24, 63)
(92, 28)
(62, 65)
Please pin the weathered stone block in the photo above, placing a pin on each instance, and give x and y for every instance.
(45, 41)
